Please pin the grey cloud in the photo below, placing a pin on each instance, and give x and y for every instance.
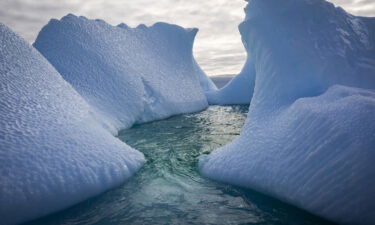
(357, 7)
(218, 46)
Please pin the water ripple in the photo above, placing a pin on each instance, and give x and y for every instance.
(169, 189)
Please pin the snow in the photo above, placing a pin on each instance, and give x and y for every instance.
(53, 152)
(129, 75)
(309, 138)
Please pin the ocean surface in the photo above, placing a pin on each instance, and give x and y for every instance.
(169, 189)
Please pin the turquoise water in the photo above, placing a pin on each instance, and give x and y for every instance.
(169, 190)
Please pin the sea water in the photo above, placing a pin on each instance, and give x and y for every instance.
(169, 189)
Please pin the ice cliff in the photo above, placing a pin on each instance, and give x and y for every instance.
(53, 152)
(129, 75)
(309, 139)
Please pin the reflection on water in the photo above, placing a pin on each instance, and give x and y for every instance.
(169, 190)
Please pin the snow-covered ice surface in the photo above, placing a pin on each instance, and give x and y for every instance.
(309, 139)
(129, 75)
(53, 153)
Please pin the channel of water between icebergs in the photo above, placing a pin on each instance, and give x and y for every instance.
(169, 190)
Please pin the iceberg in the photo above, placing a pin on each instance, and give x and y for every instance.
(128, 75)
(53, 152)
(238, 91)
(309, 138)
(58, 121)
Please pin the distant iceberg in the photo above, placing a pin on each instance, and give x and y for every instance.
(238, 91)
(309, 139)
(53, 153)
(129, 75)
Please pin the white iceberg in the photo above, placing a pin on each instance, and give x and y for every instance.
(309, 139)
(129, 75)
(53, 153)
(57, 143)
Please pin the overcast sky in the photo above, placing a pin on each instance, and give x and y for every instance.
(218, 46)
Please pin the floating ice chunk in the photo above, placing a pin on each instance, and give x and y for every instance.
(309, 139)
(53, 153)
